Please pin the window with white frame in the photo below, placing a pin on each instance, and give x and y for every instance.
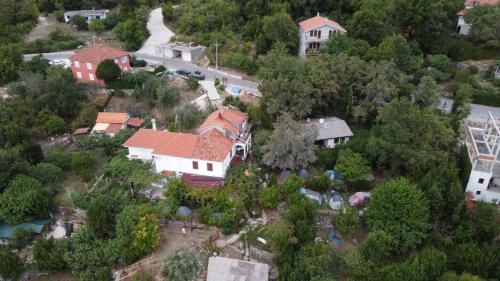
(89, 66)
(91, 77)
(77, 64)
(79, 75)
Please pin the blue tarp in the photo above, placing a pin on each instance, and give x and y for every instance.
(235, 90)
(313, 195)
(334, 175)
(36, 226)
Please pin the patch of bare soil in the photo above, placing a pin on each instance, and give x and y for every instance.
(47, 24)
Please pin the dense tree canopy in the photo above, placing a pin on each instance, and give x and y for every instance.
(291, 145)
(409, 140)
(402, 211)
(25, 199)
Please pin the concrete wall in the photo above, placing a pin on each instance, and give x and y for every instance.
(474, 186)
(464, 27)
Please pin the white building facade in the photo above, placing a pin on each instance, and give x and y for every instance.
(315, 32)
(483, 147)
(88, 15)
(463, 27)
(208, 153)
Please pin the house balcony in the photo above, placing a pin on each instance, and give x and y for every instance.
(312, 52)
(322, 39)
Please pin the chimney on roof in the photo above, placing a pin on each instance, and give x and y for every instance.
(153, 124)
(308, 120)
(318, 14)
(321, 120)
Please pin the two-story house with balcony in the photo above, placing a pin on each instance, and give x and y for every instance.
(463, 27)
(200, 159)
(84, 63)
(315, 32)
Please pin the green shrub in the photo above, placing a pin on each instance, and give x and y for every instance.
(59, 15)
(79, 22)
(440, 62)
(137, 62)
(486, 97)
(269, 197)
(192, 83)
(239, 61)
(57, 40)
(108, 70)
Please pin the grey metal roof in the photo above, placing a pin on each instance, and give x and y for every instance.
(329, 127)
(226, 269)
(86, 12)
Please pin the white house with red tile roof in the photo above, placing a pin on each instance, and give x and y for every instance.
(84, 63)
(315, 32)
(110, 123)
(462, 26)
(225, 134)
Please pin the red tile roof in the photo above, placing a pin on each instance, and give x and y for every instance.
(226, 118)
(212, 146)
(202, 181)
(135, 122)
(112, 117)
(482, 2)
(319, 21)
(113, 128)
(81, 131)
(97, 53)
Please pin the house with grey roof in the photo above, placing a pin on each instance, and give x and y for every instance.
(89, 15)
(226, 269)
(331, 130)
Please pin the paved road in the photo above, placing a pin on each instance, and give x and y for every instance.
(475, 109)
(160, 34)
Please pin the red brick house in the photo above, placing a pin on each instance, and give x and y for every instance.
(85, 62)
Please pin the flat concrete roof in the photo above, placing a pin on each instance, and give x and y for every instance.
(226, 269)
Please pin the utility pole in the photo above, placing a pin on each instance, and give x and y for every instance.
(216, 56)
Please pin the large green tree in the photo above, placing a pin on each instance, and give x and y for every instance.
(291, 145)
(352, 166)
(284, 87)
(25, 199)
(402, 211)
(11, 265)
(108, 71)
(409, 140)
(137, 231)
(485, 20)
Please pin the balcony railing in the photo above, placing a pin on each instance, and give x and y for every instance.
(312, 52)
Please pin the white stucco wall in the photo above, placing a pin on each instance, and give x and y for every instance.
(464, 27)
(140, 153)
(185, 165)
(305, 38)
(473, 186)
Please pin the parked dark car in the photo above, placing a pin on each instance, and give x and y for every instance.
(183, 72)
(198, 75)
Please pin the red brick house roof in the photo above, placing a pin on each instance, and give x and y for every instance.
(97, 53)
(226, 118)
(112, 117)
(319, 21)
(212, 146)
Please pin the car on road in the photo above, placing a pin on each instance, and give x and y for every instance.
(183, 72)
(198, 75)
